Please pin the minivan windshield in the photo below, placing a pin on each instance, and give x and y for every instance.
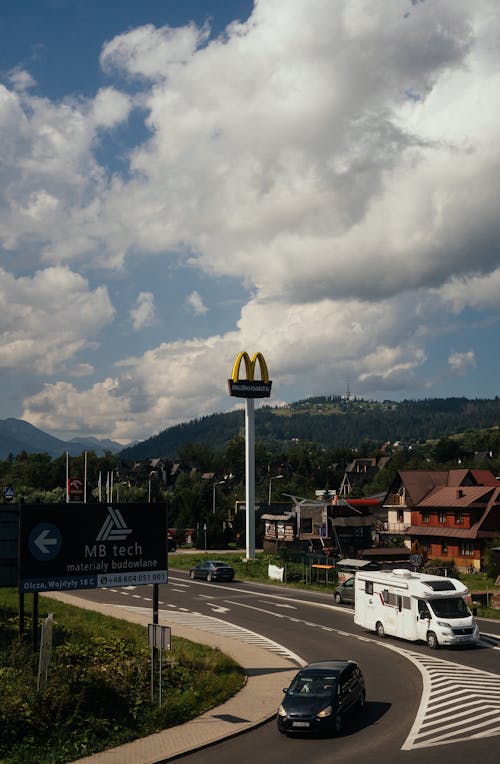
(313, 686)
(449, 608)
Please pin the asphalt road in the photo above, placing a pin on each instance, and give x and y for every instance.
(418, 700)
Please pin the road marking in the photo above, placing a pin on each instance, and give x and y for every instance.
(444, 684)
(458, 703)
(452, 698)
(222, 628)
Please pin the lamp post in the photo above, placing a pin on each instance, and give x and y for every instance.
(274, 477)
(219, 482)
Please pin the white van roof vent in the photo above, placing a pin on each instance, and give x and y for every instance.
(402, 572)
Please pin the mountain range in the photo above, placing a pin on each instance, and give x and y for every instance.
(17, 435)
(329, 421)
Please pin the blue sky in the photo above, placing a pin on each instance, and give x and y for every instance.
(317, 181)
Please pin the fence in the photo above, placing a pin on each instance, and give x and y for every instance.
(306, 568)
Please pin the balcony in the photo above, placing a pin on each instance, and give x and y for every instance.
(393, 528)
(395, 500)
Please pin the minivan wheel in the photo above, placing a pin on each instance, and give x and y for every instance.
(338, 723)
(338, 598)
(432, 640)
(379, 628)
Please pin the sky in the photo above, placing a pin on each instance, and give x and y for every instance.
(315, 180)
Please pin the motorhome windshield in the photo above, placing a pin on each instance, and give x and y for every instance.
(449, 608)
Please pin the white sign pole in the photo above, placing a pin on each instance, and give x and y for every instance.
(250, 477)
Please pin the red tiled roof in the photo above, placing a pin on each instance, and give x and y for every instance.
(455, 477)
(485, 477)
(418, 483)
(456, 497)
(430, 530)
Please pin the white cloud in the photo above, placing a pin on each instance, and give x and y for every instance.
(47, 319)
(462, 362)
(144, 313)
(20, 79)
(152, 53)
(340, 161)
(110, 107)
(195, 301)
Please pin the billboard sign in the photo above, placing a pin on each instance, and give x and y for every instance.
(89, 546)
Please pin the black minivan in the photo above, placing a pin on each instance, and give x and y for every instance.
(320, 695)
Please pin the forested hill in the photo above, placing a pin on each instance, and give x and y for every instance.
(331, 422)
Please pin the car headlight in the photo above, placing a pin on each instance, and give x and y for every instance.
(444, 625)
(325, 712)
(281, 711)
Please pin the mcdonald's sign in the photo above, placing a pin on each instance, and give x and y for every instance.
(249, 387)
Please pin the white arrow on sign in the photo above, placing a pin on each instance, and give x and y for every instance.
(43, 543)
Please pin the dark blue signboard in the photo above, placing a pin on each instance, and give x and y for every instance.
(64, 547)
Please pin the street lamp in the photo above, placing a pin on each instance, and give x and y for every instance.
(220, 482)
(274, 477)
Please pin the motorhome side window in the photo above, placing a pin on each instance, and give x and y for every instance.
(369, 587)
(392, 599)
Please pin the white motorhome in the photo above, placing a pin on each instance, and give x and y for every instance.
(414, 606)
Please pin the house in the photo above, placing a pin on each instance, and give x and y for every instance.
(359, 472)
(337, 526)
(447, 515)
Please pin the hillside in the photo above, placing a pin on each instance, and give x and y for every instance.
(331, 422)
(17, 436)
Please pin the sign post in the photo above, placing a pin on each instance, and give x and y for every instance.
(159, 639)
(250, 388)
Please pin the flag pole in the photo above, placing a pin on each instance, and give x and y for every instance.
(67, 477)
(85, 479)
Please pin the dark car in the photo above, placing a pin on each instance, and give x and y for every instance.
(212, 570)
(345, 592)
(319, 697)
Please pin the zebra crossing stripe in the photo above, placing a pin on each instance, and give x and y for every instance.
(217, 626)
(458, 703)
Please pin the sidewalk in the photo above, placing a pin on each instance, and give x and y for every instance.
(257, 702)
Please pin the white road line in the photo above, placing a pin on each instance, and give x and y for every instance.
(215, 625)
(448, 710)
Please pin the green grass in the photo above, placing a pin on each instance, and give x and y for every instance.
(98, 693)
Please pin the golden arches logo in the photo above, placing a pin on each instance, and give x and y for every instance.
(250, 366)
(250, 387)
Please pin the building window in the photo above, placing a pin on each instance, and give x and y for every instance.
(442, 517)
(307, 525)
(466, 549)
(400, 515)
(425, 517)
(459, 518)
(424, 545)
(444, 548)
